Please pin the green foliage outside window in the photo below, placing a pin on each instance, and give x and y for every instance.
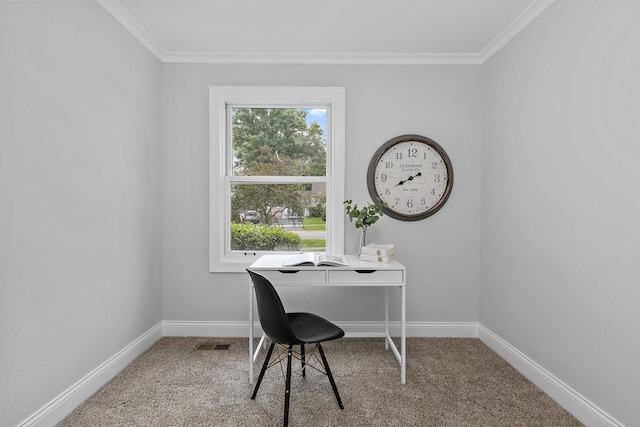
(319, 207)
(253, 237)
(276, 142)
(284, 133)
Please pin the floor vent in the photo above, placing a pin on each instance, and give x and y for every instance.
(205, 347)
(213, 347)
(221, 347)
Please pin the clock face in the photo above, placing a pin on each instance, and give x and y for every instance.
(412, 176)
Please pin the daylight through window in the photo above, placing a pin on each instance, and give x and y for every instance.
(273, 143)
(281, 178)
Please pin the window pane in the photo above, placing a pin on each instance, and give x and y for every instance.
(279, 141)
(278, 217)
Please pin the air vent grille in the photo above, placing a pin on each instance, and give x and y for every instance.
(209, 346)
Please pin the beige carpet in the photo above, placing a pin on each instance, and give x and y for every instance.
(450, 382)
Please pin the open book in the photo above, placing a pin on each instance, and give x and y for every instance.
(310, 258)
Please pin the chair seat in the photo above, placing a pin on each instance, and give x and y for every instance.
(310, 328)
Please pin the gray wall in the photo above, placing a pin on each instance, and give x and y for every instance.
(79, 197)
(441, 253)
(83, 247)
(560, 274)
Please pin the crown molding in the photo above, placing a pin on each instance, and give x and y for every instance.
(527, 16)
(115, 8)
(321, 58)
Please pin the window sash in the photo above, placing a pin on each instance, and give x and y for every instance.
(229, 171)
(222, 99)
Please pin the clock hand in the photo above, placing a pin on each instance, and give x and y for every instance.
(409, 179)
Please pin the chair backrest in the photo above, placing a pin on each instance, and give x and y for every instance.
(273, 318)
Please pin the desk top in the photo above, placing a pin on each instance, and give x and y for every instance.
(275, 261)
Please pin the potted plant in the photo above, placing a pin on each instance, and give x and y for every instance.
(363, 218)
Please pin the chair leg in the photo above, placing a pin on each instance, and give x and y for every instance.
(264, 368)
(333, 383)
(304, 370)
(287, 391)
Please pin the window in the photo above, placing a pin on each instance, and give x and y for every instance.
(276, 172)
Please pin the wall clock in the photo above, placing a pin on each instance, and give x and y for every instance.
(412, 176)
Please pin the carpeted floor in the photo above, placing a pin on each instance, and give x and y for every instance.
(450, 382)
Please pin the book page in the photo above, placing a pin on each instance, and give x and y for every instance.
(327, 259)
(307, 258)
(310, 258)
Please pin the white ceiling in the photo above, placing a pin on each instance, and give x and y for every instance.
(325, 31)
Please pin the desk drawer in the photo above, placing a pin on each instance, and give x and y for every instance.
(293, 276)
(365, 276)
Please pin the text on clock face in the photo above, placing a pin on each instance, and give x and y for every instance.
(411, 167)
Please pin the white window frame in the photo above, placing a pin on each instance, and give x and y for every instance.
(220, 174)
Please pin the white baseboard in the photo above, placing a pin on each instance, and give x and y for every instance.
(572, 401)
(581, 408)
(189, 328)
(177, 328)
(414, 329)
(61, 406)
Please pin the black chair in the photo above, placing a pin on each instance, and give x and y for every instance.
(289, 329)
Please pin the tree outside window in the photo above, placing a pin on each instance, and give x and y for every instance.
(269, 144)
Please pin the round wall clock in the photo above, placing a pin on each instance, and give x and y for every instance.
(411, 176)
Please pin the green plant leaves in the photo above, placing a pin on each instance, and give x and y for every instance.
(364, 217)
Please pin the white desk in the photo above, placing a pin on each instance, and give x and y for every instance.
(359, 273)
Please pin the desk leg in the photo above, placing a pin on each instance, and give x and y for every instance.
(403, 337)
(386, 318)
(251, 334)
